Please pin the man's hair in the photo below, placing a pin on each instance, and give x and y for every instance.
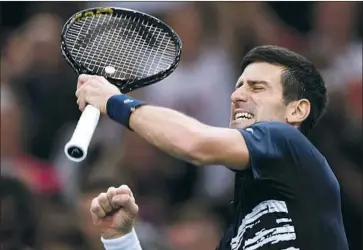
(300, 79)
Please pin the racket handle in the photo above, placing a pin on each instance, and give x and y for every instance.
(76, 149)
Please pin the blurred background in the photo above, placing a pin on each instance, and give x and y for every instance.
(45, 198)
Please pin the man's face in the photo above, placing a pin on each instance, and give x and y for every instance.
(258, 96)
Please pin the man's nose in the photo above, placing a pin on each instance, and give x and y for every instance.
(239, 95)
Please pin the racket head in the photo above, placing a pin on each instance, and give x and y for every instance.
(131, 49)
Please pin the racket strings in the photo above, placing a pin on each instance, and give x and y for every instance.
(145, 48)
(134, 47)
(98, 28)
(126, 62)
(167, 62)
(129, 47)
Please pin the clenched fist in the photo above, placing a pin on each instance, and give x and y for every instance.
(94, 90)
(114, 212)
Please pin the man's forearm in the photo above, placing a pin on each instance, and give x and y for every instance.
(169, 130)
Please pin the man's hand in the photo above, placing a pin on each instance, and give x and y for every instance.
(114, 212)
(94, 90)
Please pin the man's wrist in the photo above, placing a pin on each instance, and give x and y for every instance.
(126, 242)
(120, 107)
(114, 234)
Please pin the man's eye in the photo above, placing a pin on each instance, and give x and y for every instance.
(258, 87)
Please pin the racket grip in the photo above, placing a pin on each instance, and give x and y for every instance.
(76, 149)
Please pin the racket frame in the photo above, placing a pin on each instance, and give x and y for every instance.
(125, 86)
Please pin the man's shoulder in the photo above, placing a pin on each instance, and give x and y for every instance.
(276, 140)
(276, 132)
(274, 126)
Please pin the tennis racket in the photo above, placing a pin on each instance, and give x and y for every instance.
(129, 48)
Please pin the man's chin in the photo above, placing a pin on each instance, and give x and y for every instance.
(241, 124)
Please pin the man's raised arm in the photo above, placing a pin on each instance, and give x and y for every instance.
(171, 131)
(189, 139)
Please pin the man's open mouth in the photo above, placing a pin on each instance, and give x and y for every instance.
(243, 116)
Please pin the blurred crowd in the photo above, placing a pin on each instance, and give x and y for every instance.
(45, 198)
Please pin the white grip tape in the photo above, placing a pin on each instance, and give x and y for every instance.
(76, 149)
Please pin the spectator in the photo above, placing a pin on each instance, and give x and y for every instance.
(19, 220)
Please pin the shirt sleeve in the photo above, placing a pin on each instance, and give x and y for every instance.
(273, 146)
(127, 242)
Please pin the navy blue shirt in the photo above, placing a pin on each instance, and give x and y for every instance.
(288, 198)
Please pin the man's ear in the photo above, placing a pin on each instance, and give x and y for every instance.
(297, 111)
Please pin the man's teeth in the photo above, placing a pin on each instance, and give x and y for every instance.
(243, 115)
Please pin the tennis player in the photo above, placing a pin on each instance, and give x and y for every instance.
(286, 195)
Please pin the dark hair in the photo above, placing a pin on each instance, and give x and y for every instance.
(14, 191)
(300, 79)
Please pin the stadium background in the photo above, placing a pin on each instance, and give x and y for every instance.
(45, 198)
